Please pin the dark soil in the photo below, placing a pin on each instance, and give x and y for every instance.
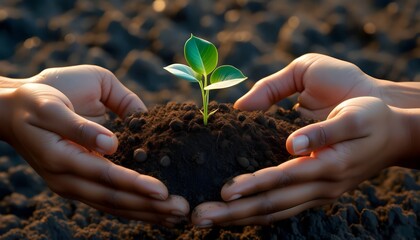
(171, 143)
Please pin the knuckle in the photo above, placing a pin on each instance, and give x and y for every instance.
(106, 177)
(111, 199)
(355, 122)
(307, 57)
(339, 171)
(320, 137)
(46, 104)
(52, 164)
(102, 72)
(267, 206)
(81, 130)
(283, 178)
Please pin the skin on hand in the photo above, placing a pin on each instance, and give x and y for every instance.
(322, 81)
(101, 90)
(55, 128)
(280, 192)
(360, 137)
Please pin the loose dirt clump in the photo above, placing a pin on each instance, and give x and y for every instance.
(171, 143)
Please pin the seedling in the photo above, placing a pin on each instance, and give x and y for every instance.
(202, 57)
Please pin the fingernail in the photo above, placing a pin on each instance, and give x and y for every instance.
(205, 223)
(105, 143)
(234, 197)
(300, 144)
(157, 196)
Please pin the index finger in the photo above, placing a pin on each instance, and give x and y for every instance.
(56, 155)
(298, 170)
(101, 170)
(277, 86)
(116, 96)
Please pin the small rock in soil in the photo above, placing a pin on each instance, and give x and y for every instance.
(225, 144)
(261, 120)
(5, 163)
(8, 221)
(228, 129)
(189, 115)
(272, 123)
(135, 124)
(268, 154)
(224, 108)
(165, 161)
(241, 117)
(243, 161)
(254, 163)
(250, 169)
(140, 155)
(194, 127)
(201, 158)
(176, 125)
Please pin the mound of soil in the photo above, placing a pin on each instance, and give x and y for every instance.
(171, 143)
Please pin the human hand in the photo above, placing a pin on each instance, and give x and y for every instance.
(360, 137)
(323, 82)
(52, 132)
(91, 90)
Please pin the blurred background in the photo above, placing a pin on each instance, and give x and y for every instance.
(135, 39)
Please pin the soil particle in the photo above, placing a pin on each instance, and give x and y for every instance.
(176, 125)
(165, 161)
(243, 161)
(140, 155)
(201, 158)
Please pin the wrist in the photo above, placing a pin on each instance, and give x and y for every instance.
(399, 94)
(410, 142)
(6, 82)
(5, 110)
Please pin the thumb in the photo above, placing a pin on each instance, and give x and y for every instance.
(351, 119)
(268, 91)
(279, 85)
(343, 126)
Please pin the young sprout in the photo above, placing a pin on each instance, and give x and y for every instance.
(202, 57)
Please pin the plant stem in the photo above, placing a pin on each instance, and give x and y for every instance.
(205, 94)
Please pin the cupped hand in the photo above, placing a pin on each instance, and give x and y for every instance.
(322, 81)
(360, 137)
(55, 128)
(91, 90)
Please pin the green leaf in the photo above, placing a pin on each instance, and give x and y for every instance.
(224, 77)
(183, 71)
(201, 55)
